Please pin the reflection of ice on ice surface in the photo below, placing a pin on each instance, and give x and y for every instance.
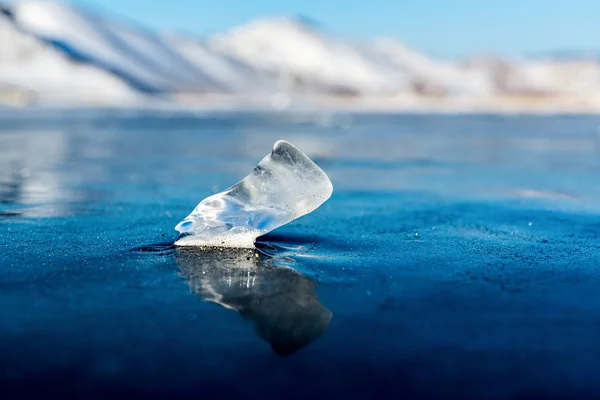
(281, 303)
(44, 171)
(28, 177)
(284, 186)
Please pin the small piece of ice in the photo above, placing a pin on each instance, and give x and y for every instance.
(284, 186)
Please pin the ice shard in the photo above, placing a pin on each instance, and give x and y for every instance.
(285, 185)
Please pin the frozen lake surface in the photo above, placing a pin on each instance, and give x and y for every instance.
(458, 255)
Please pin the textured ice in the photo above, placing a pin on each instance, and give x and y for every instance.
(284, 186)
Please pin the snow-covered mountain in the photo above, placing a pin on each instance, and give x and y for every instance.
(59, 51)
(147, 61)
(303, 58)
(29, 66)
(55, 52)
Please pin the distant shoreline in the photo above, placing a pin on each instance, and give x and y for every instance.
(501, 105)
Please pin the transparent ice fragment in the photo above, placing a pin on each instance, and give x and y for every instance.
(284, 186)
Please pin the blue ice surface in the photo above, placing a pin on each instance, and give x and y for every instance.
(459, 256)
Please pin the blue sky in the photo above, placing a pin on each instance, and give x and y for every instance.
(446, 28)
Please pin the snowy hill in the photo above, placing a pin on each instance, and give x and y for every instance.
(58, 50)
(30, 68)
(55, 52)
(429, 76)
(304, 58)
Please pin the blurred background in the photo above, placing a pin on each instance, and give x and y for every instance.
(456, 55)
(462, 139)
